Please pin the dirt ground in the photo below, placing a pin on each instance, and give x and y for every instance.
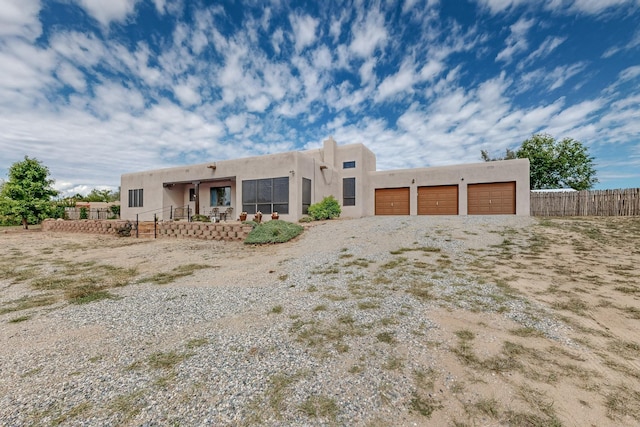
(572, 358)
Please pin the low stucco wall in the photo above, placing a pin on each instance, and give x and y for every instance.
(169, 229)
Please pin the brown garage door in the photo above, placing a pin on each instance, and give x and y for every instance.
(438, 200)
(392, 201)
(492, 199)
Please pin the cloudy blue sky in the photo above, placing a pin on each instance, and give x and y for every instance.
(97, 88)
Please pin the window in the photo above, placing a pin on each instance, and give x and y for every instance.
(192, 194)
(135, 198)
(266, 195)
(349, 192)
(349, 165)
(221, 196)
(306, 195)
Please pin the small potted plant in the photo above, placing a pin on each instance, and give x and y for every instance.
(258, 217)
(275, 215)
(243, 216)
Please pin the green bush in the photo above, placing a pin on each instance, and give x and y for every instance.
(201, 218)
(84, 213)
(115, 210)
(274, 231)
(328, 208)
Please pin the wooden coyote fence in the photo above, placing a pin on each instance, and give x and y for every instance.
(625, 202)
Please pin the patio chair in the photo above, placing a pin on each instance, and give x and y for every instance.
(228, 215)
(215, 214)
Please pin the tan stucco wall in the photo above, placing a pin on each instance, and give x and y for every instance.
(325, 168)
(461, 175)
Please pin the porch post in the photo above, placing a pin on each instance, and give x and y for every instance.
(197, 208)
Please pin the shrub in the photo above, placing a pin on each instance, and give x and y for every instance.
(84, 213)
(115, 210)
(328, 208)
(305, 219)
(201, 218)
(274, 231)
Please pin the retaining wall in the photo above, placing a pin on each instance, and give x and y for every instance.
(233, 231)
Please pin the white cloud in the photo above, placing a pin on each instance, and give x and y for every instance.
(106, 12)
(71, 76)
(591, 7)
(277, 38)
(187, 93)
(559, 76)
(546, 47)
(407, 5)
(402, 81)
(573, 117)
(431, 70)
(516, 41)
(369, 33)
(79, 48)
(498, 6)
(304, 30)
(236, 123)
(335, 27)
(25, 67)
(20, 18)
(367, 73)
(632, 44)
(552, 79)
(258, 104)
(322, 58)
(629, 73)
(160, 5)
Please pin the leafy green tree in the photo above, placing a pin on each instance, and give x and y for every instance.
(27, 194)
(509, 155)
(558, 164)
(101, 196)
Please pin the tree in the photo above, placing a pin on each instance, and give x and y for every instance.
(553, 164)
(28, 192)
(558, 164)
(509, 155)
(101, 196)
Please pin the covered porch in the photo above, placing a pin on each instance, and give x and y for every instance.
(212, 197)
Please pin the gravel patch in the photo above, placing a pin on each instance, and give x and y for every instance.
(319, 341)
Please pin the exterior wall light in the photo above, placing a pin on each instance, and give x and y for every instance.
(322, 167)
(212, 167)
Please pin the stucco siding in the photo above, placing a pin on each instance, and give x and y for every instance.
(164, 189)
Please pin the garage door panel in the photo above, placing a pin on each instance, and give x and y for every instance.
(492, 198)
(438, 200)
(392, 201)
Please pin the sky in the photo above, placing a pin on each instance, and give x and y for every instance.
(94, 89)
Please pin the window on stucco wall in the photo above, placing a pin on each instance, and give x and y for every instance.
(221, 196)
(306, 195)
(135, 198)
(349, 192)
(266, 195)
(349, 165)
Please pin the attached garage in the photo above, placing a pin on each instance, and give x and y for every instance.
(438, 200)
(498, 198)
(392, 201)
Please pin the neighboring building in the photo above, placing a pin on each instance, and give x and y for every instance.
(288, 183)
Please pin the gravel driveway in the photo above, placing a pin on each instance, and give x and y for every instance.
(343, 326)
